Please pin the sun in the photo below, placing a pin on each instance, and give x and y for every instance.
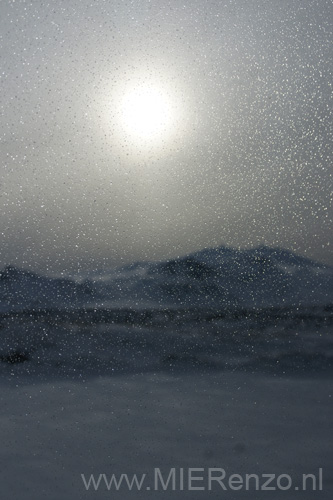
(146, 112)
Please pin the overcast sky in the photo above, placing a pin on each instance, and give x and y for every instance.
(245, 160)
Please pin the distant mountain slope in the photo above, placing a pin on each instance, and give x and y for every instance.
(21, 289)
(220, 277)
(223, 276)
(270, 276)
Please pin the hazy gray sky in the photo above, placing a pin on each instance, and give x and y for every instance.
(244, 161)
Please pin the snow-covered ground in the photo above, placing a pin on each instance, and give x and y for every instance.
(54, 431)
(247, 394)
(177, 370)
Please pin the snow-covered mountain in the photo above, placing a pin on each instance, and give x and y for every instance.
(214, 278)
(221, 277)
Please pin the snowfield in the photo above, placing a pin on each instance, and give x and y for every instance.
(52, 432)
(219, 361)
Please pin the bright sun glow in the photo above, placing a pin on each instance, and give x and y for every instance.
(146, 112)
